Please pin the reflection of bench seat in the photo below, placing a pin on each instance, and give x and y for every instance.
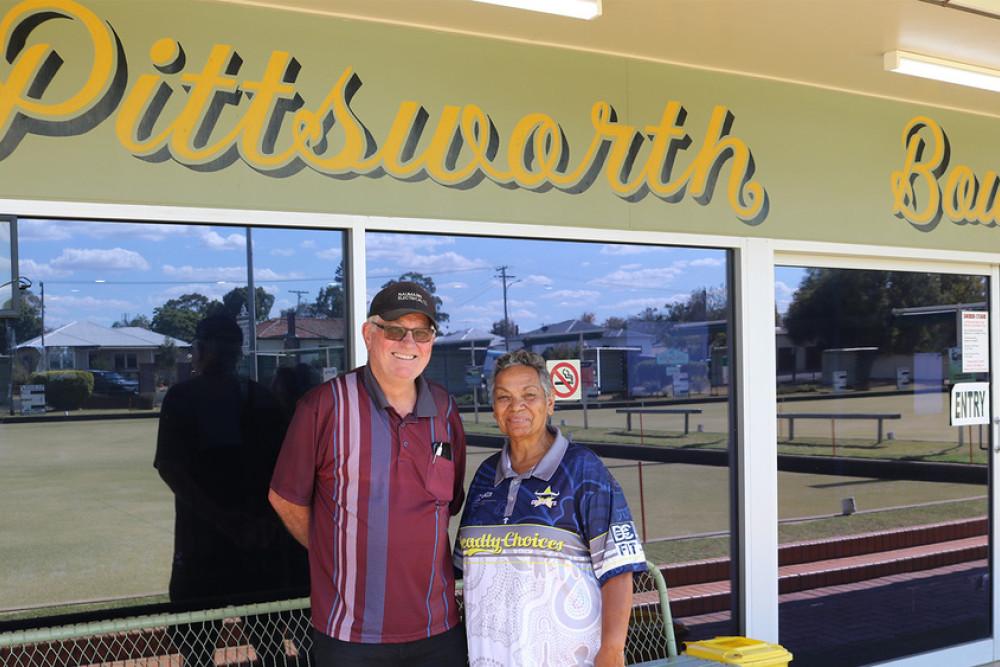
(687, 412)
(879, 416)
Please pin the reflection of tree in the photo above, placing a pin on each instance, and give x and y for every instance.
(836, 308)
(166, 358)
(504, 328)
(28, 323)
(329, 302)
(141, 321)
(179, 317)
(702, 305)
(428, 284)
(235, 299)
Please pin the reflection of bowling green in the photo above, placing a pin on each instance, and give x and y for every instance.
(924, 417)
(682, 499)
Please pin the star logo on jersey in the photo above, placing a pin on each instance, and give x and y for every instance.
(546, 497)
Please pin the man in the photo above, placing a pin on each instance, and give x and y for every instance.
(219, 437)
(371, 469)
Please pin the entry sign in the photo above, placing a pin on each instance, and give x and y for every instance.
(565, 379)
(970, 403)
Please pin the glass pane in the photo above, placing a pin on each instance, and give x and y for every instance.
(649, 327)
(8, 272)
(882, 502)
(95, 524)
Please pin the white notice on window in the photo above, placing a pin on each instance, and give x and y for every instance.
(975, 341)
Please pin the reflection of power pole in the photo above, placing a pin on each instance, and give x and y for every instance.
(506, 320)
(45, 353)
(299, 293)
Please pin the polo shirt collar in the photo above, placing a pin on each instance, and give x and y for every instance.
(544, 469)
(425, 406)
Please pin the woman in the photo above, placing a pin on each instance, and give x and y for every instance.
(547, 544)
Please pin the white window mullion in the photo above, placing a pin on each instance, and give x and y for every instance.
(756, 428)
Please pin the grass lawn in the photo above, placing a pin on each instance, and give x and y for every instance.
(88, 519)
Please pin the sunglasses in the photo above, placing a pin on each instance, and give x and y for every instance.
(420, 334)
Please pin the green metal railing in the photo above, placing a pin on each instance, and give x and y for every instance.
(267, 634)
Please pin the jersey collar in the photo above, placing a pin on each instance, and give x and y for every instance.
(544, 469)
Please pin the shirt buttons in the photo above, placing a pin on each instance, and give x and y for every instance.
(406, 444)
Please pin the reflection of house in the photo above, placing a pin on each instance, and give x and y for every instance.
(458, 359)
(83, 345)
(571, 333)
(312, 340)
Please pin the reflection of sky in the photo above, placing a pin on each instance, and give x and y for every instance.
(548, 281)
(103, 271)
(786, 281)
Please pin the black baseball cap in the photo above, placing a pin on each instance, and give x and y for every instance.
(400, 299)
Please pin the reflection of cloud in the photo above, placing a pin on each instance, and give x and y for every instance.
(569, 295)
(215, 241)
(615, 249)
(640, 278)
(36, 271)
(113, 259)
(330, 253)
(60, 230)
(708, 261)
(139, 231)
(228, 274)
(210, 290)
(544, 281)
(72, 303)
(633, 306)
(271, 274)
(783, 295)
(207, 274)
(283, 252)
(42, 230)
(418, 253)
(309, 243)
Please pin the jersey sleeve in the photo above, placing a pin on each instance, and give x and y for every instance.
(615, 546)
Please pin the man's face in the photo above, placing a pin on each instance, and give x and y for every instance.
(397, 360)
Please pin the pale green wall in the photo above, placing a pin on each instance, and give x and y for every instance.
(825, 158)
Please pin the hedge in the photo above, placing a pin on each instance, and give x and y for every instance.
(65, 390)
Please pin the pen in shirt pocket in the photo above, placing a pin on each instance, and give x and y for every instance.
(442, 449)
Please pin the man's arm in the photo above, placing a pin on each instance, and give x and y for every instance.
(616, 606)
(296, 518)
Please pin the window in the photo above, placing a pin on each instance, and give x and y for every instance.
(649, 326)
(882, 502)
(96, 524)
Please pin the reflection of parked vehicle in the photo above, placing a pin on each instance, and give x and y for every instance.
(111, 383)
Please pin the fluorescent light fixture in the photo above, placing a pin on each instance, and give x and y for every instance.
(577, 9)
(940, 69)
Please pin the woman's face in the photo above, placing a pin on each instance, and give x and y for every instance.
(519, 403)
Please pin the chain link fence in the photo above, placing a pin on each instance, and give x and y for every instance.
(274, 634)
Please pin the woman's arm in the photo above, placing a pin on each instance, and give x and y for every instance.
(616, 606)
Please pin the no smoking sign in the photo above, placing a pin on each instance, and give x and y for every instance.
(565, 379)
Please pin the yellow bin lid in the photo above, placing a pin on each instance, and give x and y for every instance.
(740, 651)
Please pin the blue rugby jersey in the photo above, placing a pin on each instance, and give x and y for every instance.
(534, 550)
